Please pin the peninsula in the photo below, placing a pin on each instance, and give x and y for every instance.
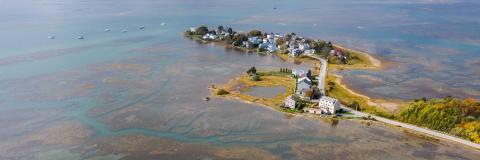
(320, 91)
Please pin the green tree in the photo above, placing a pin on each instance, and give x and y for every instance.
(252, 71)
(239, 38)
(202, 30)
(220, 28)
(254, 33)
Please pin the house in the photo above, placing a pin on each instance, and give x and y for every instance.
(210, 36)
(303, 85)
(312, 110)
(290, 102)
(254, 40)
(263, 45)
(304, 46)
(329, 105)
(294, 52)
(306, 79)
(310, 52)
(265, 40)
(272, 48)
(336, 52)
(193, 29)
(299, 73)
(279, 35)
(270, 36)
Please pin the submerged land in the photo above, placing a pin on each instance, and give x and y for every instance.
(450, 116)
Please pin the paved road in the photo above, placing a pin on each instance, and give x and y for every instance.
(321, 86)
(322, 75)
(416, 128)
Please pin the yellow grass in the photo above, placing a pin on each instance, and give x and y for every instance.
(243, 82)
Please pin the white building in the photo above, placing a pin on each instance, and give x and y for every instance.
(272, 48)
(294, 52)
(329, 105)
(209, 36)
(290, 102)
(309, 51)
(299, 73)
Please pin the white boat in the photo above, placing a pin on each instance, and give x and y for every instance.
(124, 30)
(162, 24)
(142, 27)
(107, 30)
(80, 37)
(51, 37)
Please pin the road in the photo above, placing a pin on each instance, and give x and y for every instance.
(416, 128)
(322, 75)
(321, 86)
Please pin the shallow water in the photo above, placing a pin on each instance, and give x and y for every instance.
(265, 92)
(139, 94)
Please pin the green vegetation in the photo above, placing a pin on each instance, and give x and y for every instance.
(221, 92)
(454, 116)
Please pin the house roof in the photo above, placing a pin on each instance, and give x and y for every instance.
(306, 79)
(326, 98)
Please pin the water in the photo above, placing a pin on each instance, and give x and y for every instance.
(139, 94)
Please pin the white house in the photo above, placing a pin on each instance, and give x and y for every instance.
(209, 36)
(272, 48)
(254, 40)
(329, 105)
(309, 51)
(306, 79)
(294, 52)
(290, 102)
(299, 72)
(193, 29)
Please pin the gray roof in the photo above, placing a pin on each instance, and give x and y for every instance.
(330, 99)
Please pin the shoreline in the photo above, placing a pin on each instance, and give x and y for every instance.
(380, 109)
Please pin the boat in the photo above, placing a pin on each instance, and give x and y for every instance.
(107, 30)
(80, 37)
(162, 24)
(51, 37)
(206, 98)
(142, 27)
(124, 30)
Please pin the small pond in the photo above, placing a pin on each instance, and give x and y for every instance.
(265, 92)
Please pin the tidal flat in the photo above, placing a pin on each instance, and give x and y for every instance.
(113, 93)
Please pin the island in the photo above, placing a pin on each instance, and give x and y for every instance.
(319, 91)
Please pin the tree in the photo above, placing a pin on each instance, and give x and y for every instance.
(355, 105)
(230, 30)
(309, 74)
(331, 85)
(280, 41)
(221, 92)
(252, 71)
(254, 33)
(239, 38)
(202, 30)
(220, 28)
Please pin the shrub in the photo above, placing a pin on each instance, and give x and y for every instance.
(221, 92)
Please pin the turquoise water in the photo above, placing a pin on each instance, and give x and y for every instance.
(152, 82)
